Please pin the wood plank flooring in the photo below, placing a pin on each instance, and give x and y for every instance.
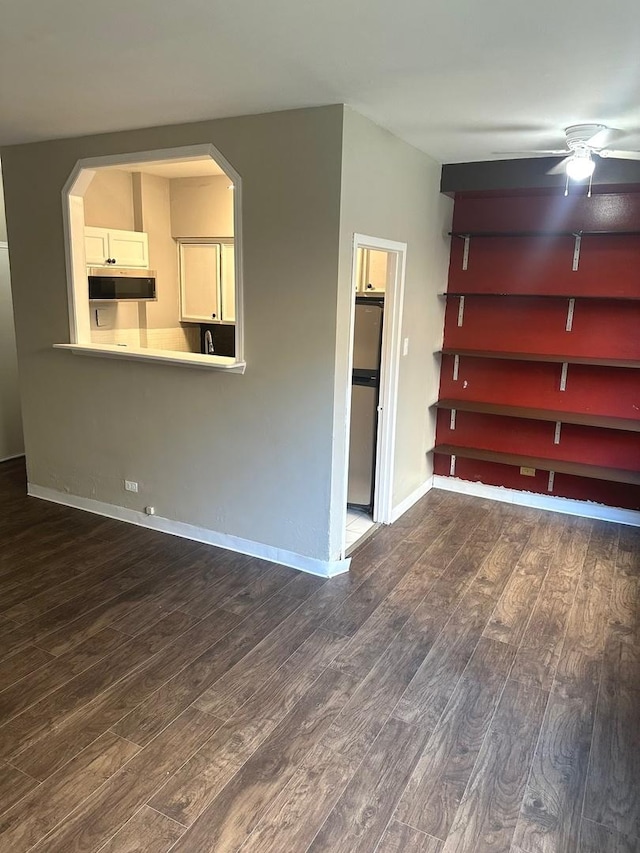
(471, 686)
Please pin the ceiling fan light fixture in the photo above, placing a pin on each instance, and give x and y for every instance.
(580, 166)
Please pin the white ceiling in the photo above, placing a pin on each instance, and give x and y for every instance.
(195, 167)
(460, 79)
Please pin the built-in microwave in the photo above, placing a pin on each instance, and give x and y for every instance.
(121, 285)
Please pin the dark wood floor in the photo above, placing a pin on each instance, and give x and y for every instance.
(472, 686)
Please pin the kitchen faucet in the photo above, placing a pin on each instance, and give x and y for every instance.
(208, 343)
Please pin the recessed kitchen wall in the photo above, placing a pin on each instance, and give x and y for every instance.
(166, 209)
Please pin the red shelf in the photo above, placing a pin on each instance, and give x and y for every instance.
(578, 469)
(529, 295)
(547, 357)
(575, 233)
(580, 418)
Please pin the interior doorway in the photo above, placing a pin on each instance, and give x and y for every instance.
(376, 318)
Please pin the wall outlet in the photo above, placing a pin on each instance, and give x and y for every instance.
(405, 347)
(130, 486)
(528, 472)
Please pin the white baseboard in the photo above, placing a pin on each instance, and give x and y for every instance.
(14, 456)
(549, 502)
(413, 498)
(323, 568)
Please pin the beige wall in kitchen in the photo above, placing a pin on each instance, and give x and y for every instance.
(108, 201)
(11, 442)
(248, 455)
(202, 207)
(391, 190)
(153, 215)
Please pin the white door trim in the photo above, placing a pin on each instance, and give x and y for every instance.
(390, 370)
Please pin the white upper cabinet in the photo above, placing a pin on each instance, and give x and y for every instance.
(199, 282)
(96, 246)
(112, 247)
(372, 271)
(207, 282)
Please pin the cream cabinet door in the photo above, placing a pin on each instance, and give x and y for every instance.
(96, 246)
(228, 263)
(111, 247)
(375, 271)
(199, 282)
(129, 248)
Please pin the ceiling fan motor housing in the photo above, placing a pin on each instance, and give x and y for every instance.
(579, 136)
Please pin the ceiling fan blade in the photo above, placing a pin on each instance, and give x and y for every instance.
(601, 137)
(619, 155)
(559, 168)
(532, 153)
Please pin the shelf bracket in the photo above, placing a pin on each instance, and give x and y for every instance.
(452, 467)
(570, 309)
(452, 422)
(461, 311)
(556, 437)
(576, 252)
(563, 376)
(465, 252)
(552, 476)
(456, 367)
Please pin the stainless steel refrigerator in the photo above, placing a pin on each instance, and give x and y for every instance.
(365, 389)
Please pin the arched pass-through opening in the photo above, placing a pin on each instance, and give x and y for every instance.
(154, 257)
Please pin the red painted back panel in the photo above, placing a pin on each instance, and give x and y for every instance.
(519, 324)
(591, 445)
(607, 265)
(590, 390)
(578, 488)
(601, 212)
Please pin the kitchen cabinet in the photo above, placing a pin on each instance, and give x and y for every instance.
(207, 281)
(199, 282)
(113, 247)
(372, 270)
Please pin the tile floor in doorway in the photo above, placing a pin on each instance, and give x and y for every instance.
(359, 522)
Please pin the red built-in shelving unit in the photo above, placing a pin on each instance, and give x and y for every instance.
(541, 355)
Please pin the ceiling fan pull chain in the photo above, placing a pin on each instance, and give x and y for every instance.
(566, 187)
(590, 185)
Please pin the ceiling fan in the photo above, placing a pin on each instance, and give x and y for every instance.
(583, 142)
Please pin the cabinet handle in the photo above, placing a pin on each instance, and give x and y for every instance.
(214, 316)
(113, 260)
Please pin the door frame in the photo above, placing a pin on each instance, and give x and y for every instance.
(389, 375)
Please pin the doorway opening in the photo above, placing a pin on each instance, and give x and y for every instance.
(376, 320)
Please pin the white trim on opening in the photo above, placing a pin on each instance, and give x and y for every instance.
(389, 374)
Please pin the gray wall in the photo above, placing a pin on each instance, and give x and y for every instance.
(245, 455)
(11, 443)
(391, 190)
